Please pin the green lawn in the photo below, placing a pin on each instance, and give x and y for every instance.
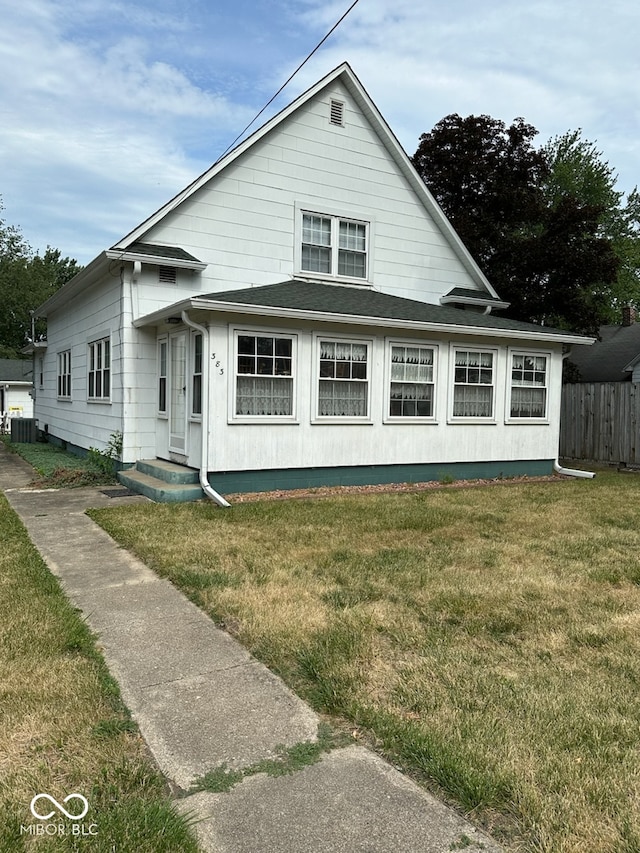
(63, 726)
(487, 638)
(57, 468)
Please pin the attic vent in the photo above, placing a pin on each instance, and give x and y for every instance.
(337, 113)
(167, 275)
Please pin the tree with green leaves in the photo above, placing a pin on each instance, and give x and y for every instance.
(27, 279)
(541, 246)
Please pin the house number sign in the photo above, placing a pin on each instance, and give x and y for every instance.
(217, 364)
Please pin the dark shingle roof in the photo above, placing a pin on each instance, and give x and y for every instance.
(606, 359)
(16, 370)
(171, 253)
(467, 293)
(363, 302)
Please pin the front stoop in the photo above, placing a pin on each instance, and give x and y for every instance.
(163, 482)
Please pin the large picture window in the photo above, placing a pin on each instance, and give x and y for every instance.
(334, 246)
(411, 393)
(100, 370)
(264, 375)
(473, 383)
(64, 375)
(528, 385)
(343, 382)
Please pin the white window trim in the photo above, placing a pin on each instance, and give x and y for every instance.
(531, 352)
(348, 215)
(401, 419)
(234, 333)
(315, 385)
(104, 399)
(468, 419)
(195, 417)
(62, 357)
(164, 415)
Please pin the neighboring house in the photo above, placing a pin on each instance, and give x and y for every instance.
(302, 314)
(615, 357)
(16, 385)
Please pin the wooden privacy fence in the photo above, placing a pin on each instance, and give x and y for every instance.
(600, 421)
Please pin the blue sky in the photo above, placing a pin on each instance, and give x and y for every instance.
(110, 107)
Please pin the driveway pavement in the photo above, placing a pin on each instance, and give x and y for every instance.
(201, 701)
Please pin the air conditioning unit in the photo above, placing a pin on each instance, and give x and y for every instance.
(24, 430)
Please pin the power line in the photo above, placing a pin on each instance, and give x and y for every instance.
(286, 83)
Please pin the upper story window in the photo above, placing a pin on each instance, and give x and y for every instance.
(99, 379)
(529, 377)
(334, 246)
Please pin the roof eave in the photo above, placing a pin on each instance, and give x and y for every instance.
(86, 276)
(353, 319)
(156, 260)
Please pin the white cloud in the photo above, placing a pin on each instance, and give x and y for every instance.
(110, 107)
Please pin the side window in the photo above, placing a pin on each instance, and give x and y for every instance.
(196, 388)
(99, 378)
(162, 377)
(64, 375)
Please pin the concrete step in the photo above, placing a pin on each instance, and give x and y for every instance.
(170, 472)
(159, 490)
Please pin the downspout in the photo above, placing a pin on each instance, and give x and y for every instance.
(571, 472)
(204, 458)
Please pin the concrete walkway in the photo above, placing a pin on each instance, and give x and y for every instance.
(201, 701)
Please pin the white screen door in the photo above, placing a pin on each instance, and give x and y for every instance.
(178, 395)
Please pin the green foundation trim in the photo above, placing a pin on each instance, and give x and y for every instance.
(230, 482)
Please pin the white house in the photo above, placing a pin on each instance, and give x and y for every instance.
(16, 384)
(302, 314)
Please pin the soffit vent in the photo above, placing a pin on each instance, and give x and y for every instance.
(167, 275)
(336, 114)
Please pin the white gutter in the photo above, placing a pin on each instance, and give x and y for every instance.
(204, 459)
(572, 472)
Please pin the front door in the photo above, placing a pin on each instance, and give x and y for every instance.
(178, 393)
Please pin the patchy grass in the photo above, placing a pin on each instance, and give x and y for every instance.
(63, 726)
(56, 468)
(486, 638)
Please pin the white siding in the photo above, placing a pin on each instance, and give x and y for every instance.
(242, 224)
(240, 446)
(93, 315)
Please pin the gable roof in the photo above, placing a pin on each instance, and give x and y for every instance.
(611, 358)
(346, 76)
(343, 304)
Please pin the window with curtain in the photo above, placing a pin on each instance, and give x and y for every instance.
(334, 246)
(473, 391)
(343, 388)
(528, 386)
(99, 379)
(264, 375)
(411, 394)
